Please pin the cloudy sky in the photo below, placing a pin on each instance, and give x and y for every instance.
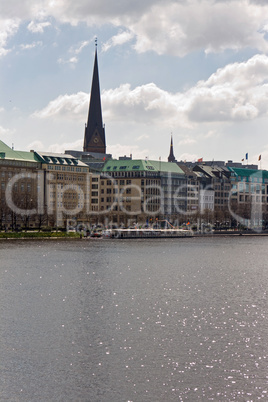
(195, 68)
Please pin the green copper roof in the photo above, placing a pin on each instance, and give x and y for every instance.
(134, 165)
(8, 153)
(244, 172)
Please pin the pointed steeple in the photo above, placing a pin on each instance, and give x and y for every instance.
(94, 140)
(171, 157)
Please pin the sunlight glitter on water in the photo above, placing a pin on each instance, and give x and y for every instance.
(115, 321)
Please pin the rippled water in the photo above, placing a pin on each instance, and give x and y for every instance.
(134, 320)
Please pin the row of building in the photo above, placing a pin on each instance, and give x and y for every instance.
(42, 189)
(48, 189)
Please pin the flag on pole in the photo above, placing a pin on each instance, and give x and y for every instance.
(200, 160)
(246, 156)
(259, 158)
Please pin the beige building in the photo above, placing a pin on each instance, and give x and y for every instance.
(66, 188)
(42, 189)
(20, 190)
(141, 190)
(249, 196)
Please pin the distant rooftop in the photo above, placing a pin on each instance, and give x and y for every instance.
(8, 153)
(249, 172)
(141, 165)
(60, 159)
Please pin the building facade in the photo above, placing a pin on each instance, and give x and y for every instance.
(21, 188)
(42, 189)
(249, 197)
(142, 190)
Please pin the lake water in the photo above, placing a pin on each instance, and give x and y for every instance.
(134, 320)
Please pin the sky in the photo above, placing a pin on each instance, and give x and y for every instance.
(193, 69)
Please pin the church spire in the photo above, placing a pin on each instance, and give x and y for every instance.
(171, 157)
(94, 140)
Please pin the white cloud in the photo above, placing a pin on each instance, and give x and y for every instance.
(188, 157)
(210, 134)
(60, 148)
(144, 104)
(187, 141)
(119, 39)
(75, 50)
(8, 28)
(22, 10)
(72, 61)
(179, 28)
(31, 45)
(4, 131)
(37, 26)
(78, 48)
(4, 52)
(166, 27)
(36, 145)
(72, 107)
(142, 137)
(121, 150)
(237, 92)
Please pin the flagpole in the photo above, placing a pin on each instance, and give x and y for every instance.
(260, 160)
